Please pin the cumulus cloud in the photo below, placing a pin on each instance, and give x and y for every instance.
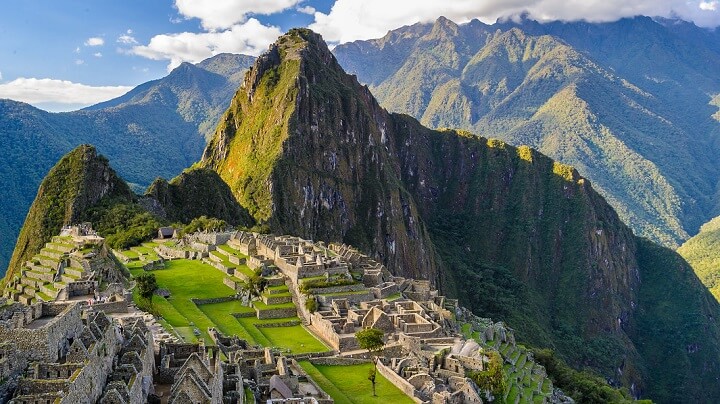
(306, 10)
(97, 54)
(350, 20)
(223, 14)
(250, 38)
(79, 62)
(38, 91)
(95, 41)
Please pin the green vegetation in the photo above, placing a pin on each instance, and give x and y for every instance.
(702, 252)
(158, 129)
(76, 183)
(123, 224)
(307, 285)
(254, 145)
(346, 384)
(371, 339)
(582, 386)
(147, 285)
(187, 280)
(678, 320)
(214, 207)
(566, 91)
(492, 378)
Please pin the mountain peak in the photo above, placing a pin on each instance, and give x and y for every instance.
(77, 182)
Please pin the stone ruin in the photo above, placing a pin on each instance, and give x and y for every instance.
(76, 360)
(57, 352)
(74, 264)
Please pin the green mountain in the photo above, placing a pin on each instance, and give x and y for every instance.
(79, 181)
(511, 233)
(627, 103)
(703, 252)
(157, 129)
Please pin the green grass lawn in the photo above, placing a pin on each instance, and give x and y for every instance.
(221, 315)
(187, 279)
(349, 384)
(231, 250)
(295, 337)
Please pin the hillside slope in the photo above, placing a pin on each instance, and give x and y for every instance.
(157, 129)
(702, 252)
(626, 103)
(308, 151)
(75, 184)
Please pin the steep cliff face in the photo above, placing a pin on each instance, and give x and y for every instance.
(513, 234)
(77, 182)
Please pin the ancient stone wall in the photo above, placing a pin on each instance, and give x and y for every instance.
(398, 381)
(276, 313)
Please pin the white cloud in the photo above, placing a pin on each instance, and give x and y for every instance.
(223, 14)
(77, 49)
(79, 62)
(0, 75)
(39, 91)
(708, 5)
(127, 39)
(306, 10)
(95, 41)
(97, 54)
(349, 20)
(129, 31)
(250, 38)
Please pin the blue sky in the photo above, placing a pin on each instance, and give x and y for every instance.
(65, 54)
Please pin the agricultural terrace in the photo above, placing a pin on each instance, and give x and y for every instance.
(191, 279)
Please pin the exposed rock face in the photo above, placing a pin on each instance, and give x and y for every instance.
(77, 182)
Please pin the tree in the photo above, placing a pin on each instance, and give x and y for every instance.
(492, 379)
(254, 287)
(147, 285)
(371, 339)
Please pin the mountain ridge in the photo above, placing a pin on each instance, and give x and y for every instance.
(491, 86)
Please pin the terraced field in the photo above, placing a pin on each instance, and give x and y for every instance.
(192, 279)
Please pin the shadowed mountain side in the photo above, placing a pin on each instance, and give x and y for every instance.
(194, 193)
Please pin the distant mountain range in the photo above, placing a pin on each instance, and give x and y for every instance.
(631, 104)
(157, 129)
